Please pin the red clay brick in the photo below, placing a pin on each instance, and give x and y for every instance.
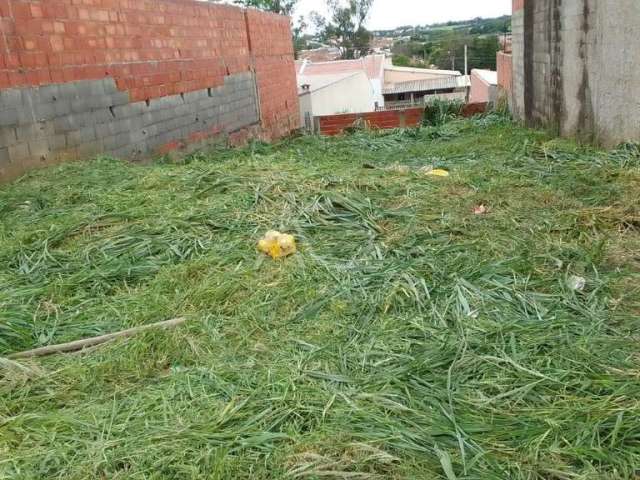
(335, 124)
(151, 48)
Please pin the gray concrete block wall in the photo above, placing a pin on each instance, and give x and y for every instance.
(577, 68)
(517, 55)
(52, 123)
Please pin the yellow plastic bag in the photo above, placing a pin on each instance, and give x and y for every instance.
(436, 172)
(277, 245)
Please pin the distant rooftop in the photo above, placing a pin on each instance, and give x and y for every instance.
(428, 85)
(317, 82)
(430, 71)
(488, 76)
(372, 65)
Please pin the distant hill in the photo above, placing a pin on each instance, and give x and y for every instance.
(476, 26)
(442, 45)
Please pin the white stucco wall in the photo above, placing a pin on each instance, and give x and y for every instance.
(354, 94)
(378, 98)
(305, 107)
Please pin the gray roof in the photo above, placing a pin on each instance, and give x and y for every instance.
(427, 85)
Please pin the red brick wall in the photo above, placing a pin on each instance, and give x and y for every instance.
(269, 36)
(335, 124)
(152, 48)
(471, 109)
(518, 5)
(505, 71)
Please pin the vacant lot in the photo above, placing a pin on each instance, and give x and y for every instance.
(477, 326)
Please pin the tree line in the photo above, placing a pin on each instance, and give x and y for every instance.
(441, 45)
(344, 26)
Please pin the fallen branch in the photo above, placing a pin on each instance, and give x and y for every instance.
(90, 342)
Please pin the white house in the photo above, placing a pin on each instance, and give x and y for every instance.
(335, 93)
(371, 83)
(484, 85)
(372, 66)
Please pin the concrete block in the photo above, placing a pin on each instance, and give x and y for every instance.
(8, 136)
(57, 142)
(81, 136)
(90, 149)
(11, 97)
(68, 91)
(195, 96)
(151, 131)
(33, 131)
(129, 110)
(114, 142)
(148, 118)
(62, 107)
(118, 98)
(101, 115)
(26, 116)
(8, 117)
(18, 152)
(81, 104)
(65, 124)
(44, 111)
(49, 93)
(124, 152)
(100, 101)
(109, 86)
(138, 136)
(106, 129)
(5, 158)
(88, 88)
(164, 115)
(120, 126)
(181, 110)
(164, 103)
(205, 103)
(39, 149)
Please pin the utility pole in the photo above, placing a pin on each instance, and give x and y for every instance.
(466, 61)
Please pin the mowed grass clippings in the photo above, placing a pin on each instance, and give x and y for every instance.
(409, 338)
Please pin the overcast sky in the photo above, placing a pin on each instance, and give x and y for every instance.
(388, 14)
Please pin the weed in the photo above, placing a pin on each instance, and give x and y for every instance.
(408, 337)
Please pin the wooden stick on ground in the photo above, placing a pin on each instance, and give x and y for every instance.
(90, 342)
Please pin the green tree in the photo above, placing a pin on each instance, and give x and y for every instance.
(346, 26)
(283, 7)
(401, 61)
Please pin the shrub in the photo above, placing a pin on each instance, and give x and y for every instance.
(440, 111)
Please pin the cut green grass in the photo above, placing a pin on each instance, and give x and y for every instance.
(407, 339)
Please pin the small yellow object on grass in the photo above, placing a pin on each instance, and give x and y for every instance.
(438, 172)
(277, 245)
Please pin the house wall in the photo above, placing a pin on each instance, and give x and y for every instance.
(132, 79)
(580, 65)
(378, 98)
(351, 95)
(505, 73)
(481, 91)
